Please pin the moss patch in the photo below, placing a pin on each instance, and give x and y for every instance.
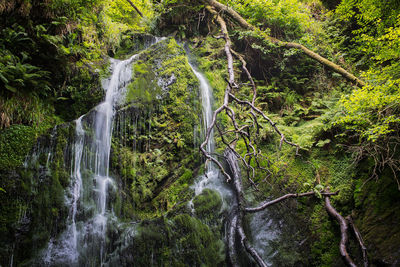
(15, 143)
(159, 121)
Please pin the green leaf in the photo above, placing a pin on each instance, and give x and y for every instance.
(3, 78)
(10, 88)
(322, 143)
(317, 193)
(319, 187)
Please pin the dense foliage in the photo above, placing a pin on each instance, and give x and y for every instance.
(372, 31)
(53, 55)
(46, 46)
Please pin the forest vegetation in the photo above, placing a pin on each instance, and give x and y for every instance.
(306, 118)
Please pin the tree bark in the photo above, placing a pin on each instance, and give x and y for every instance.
(134, 6)
(287, 196)
(343, 232)
(244, 24)
(359, 239)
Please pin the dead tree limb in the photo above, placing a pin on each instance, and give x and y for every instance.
(244, 24)
(232, 160)
(287, 196)
(244, 67)
(343, 232)
(235, 228)
(245, 243)
(359, 239)
(273, 124)
(135, 7)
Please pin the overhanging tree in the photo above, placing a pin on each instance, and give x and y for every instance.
(246, 131)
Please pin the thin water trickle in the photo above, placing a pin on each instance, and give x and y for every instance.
(211, 179)
(261, 232)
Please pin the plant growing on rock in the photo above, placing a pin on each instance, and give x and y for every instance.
(244, 131)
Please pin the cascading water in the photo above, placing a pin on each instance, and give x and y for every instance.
(84, 240)
(211, 179)
(264, 229)
(84, 229)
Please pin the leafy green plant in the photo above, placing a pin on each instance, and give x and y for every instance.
(17, 75)
(284, 18)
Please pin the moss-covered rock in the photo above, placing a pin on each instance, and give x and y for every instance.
(132, 42)
(15, 143)
(159, 121)
(82, 92)
(207, 205)
(33, 205)
(377, 216)
(180, 241)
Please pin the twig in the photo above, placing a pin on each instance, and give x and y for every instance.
(287, 196)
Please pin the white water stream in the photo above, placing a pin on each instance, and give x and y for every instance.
(212, 178)
(263, 229)
(85, 236)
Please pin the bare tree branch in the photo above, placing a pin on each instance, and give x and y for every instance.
(287, 196)
(343, 230)
(245, 243)
(359, 239)
(134, 6)
(273, 124)
(244, 24)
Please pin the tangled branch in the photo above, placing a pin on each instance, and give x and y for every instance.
(242, 132)
(244, 24)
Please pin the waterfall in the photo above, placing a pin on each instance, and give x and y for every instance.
(212, 178)
(263, 229)
(85, 236)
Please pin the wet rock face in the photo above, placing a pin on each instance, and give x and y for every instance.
(180, 240)
(156, 131)
(207, 204)
(33, 206)
(155, 158)
(132, 43)
(153, 162)
(378, 220)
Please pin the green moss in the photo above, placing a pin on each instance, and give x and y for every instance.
(162, 107)
(132, 42)
(176, 192)
(325, 249)
(82, 92)
(180, 241)
(143, 91)
(207, 204)
(33, 205)
(195, 241)
(15, 143)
